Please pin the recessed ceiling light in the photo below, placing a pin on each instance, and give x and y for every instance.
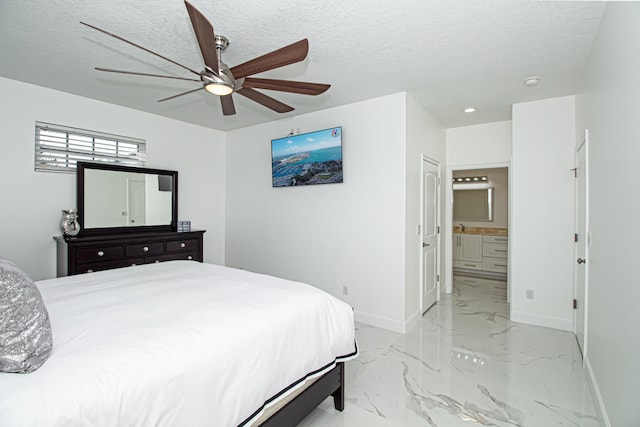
(531, 81)
(469, 110)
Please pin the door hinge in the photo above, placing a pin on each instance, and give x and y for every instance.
(437, 277)
(575, 237)
(575, 304)
(575, 172)
(438, 229)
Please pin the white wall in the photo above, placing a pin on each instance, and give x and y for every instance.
(157, 203)
(327, 235)
(424, 136)
(473, 146)
(107, 198)
(31, 201)
(542, 202)
(609, 109)
(486, 145)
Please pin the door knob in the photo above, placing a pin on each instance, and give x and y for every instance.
(582, 261)
(424, 245)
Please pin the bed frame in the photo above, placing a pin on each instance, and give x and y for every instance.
(330, 384)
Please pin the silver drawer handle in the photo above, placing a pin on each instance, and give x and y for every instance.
(100, 253)
(499, 250)
(189, 257)
(145, 249)
(182, 245)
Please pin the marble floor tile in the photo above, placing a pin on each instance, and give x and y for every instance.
(465, 364)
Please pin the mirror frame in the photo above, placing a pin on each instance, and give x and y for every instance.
(80, 189)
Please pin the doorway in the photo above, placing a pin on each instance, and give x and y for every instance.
(136, 210)
(477, 220)
(582, 243)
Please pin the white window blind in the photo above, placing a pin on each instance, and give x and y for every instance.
(60, 148)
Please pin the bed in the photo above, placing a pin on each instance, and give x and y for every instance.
(182, 343)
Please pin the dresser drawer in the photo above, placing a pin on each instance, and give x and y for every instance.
(494, 264)
(182, 245)
(471, 265)
(145, 249)
(495, 239)
(108, 265)
(494, 250)
(193, 255)
(103, 252)
(99, 254)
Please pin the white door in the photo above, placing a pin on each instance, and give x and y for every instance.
(430, 230)
(582, 244)
(136, 210)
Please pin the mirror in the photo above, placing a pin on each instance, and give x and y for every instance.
(473, 205)
(126, 199)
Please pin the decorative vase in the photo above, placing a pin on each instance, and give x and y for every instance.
(69, 222)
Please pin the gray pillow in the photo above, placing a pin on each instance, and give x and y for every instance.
(25, 330)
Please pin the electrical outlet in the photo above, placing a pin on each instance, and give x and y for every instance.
(345, 290)
(529, 293)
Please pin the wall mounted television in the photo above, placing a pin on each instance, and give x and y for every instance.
(307, 158)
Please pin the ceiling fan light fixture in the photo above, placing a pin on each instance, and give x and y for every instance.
(219, 88)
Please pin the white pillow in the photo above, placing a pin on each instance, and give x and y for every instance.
(25, 330)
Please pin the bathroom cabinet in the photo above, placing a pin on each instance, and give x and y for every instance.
(467, 251)
(480, 252)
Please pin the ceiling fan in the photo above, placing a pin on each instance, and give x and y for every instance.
(218, 79)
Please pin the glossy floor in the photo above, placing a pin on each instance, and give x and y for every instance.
(466, 364)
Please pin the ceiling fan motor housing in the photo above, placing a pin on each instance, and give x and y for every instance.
(221, 43)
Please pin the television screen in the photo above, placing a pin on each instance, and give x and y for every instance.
(308, 158)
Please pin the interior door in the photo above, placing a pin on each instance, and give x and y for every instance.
(430, 230)
(136, 210)
(582, 244)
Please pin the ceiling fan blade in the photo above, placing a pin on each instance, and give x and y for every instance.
(206, 37)
(290, 54)
(228, 107)
(303, 88)
(265, 100)
(180, 94)
(135, 73)
(140, 47)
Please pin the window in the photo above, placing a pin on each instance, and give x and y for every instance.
(59, 148)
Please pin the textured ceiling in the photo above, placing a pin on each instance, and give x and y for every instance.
(449, 54)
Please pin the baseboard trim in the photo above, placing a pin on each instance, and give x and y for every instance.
(539, 320)
(595, 391)
(413, 320)
(381, 322)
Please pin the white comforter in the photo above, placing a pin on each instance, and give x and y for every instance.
(174, 344)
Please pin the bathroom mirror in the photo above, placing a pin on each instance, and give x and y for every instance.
(473, 205)
(121, 199)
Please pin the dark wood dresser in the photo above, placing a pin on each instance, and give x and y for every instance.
(93, 253)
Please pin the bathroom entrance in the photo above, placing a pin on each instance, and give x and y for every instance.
(480, 229)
